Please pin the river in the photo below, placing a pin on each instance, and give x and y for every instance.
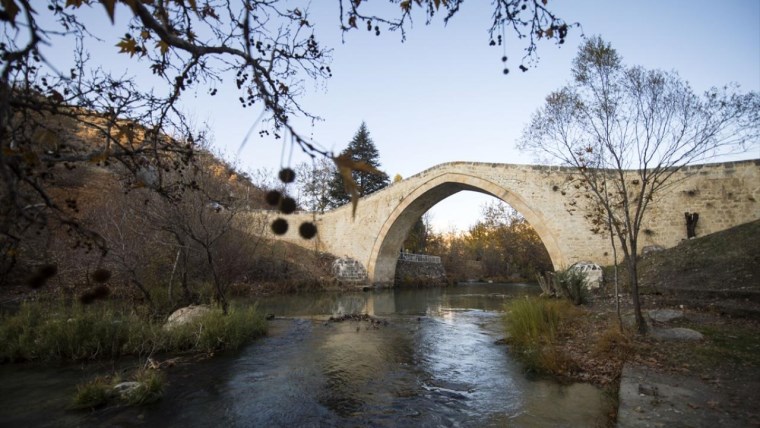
(434, 363)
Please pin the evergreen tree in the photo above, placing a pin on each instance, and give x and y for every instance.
(361, 148)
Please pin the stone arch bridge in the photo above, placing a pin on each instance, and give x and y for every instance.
(724, 195)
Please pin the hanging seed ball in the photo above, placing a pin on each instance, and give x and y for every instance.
(287, 205)
(279, 226)
(504, 59)
(273, 197)
(307, 230)
(87, 298)
(48, 270)
(101, 275)
(36, 281)
(101, 292)
(506, 71)
(287, 175)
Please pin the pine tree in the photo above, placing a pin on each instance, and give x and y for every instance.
(361, 148)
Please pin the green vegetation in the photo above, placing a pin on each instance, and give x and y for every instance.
(573, 284)
(215, 331)
(726, 344)
(151, 387)
(364, 176)
(47, 331)
(502, 246)
(534, 326)
(92, 394)
(101, 391)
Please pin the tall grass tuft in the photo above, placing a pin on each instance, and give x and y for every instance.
(40, 331)
(533, 325)
(151, 387)
(93, 394)
(215, 331)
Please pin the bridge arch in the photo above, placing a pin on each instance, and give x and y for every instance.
(381, 266)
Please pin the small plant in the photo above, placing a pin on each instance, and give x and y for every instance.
(93, 394)
(572, 283)
(612, 342)
(547, 284)
(150, 390)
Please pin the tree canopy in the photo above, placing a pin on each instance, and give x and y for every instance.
(627, 130)
(360, 151)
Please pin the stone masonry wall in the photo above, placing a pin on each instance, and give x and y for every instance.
(724, 195)
(419, 273)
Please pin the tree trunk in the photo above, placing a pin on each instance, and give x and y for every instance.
(641, 325)
(615, 267)
(219, 292)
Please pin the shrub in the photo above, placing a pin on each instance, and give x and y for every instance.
(151, 387)
(533, 325)
(572, 282)
(612, 342)
(93, 394)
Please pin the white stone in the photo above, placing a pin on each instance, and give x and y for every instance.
(185, 315)
(125, 389)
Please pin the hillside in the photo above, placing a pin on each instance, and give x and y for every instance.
(720, 271)
(97, 210)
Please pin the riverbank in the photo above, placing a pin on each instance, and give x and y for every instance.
(700, 364)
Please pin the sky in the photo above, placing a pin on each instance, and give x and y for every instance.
(441, 95)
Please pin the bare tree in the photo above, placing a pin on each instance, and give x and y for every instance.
(313, 182)
(628, 130)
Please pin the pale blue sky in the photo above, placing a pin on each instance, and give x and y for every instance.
(441, 95)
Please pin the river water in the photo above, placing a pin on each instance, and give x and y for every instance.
(435, 363)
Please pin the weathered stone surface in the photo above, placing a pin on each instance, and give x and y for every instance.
(724, 195)
(649, 398)
(677, 334)
(346, 269)
(185, 315)
(651, 249)
(665, 315)
(124, 389)
(419, 273)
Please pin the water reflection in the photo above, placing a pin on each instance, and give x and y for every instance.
(434, 364)
(425, 301)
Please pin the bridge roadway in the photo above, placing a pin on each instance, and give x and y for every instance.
(724, 195)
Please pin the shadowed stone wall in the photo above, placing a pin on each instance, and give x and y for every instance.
(419, 273)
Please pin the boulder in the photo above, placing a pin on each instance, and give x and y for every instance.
(677, 334)
(125, 389)
(651, 249)
(665, 315)
(186, 315)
